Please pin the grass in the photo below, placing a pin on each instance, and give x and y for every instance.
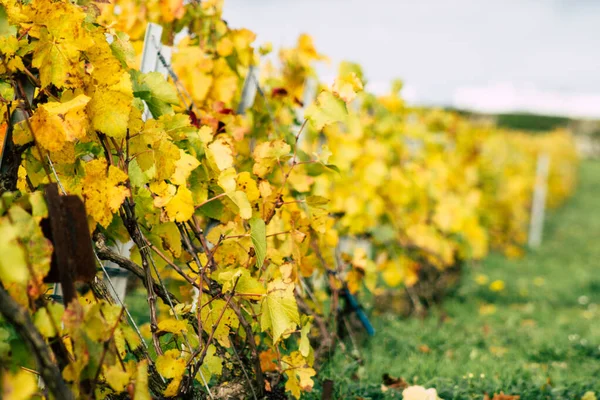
(538, 338)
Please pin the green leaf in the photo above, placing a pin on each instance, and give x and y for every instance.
(258, 234)
(316, 201)
(6, 90)
(155, 90)
(279, 309)
(4, 346)
(212, 209)
(304, 342)
(122, 48)
(244, 283)
(160, 88)
(333, 167)
(47, 322)
(38, 204)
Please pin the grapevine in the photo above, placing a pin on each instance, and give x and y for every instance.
(246, 223)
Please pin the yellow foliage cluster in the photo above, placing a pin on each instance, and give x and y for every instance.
(240, 215)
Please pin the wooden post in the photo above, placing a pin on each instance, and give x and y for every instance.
(538, 206)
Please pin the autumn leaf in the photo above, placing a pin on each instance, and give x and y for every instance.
(183, 168)
(327, 110)
(220, 154)
(47, 322)
(212, 365)
(172, 325)
(103, 191)
(170, 365)
(258, 235)
(501, 396)
(244, 283)
(267, 360)
(299, 374)
(279, 309)
(141, 382)
(266, 155)
(18, 386)
(210, 317)
(347, 86)
(13, 267)
(181, 207)
(110, 107)
(246, 184)
(55, 123)
(390, 382)
(116, 377)
(304, 347)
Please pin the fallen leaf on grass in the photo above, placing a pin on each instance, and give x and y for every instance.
(498, 350)
(424, 348)
(390, 382)
(487, 309)
(528, 323)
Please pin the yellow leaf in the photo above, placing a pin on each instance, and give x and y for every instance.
(183, 168)
(247, 285)
(241, 201)
(212, 365)
(116, 377)
(47, 322)
(169, 365)
(181, 206)
(55, 123)
(299, 374)
(210, 316)
(220, 153)
(110, 107)
(246, 184)
(13, 267)
(164, 193)
(347, 86)
(279, 309)
(172, 325)
(224, 47)
(226, 180)
(102, 191)
(328, 109)
(141, 382)
(304, 347)
(172, 387)
(19, 386)
(55, 60)
(266, 155)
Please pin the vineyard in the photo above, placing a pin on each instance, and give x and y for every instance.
(213, 225)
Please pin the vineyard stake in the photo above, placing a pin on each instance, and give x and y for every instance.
(538, 206)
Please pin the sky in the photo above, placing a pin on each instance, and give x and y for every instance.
(486, 55)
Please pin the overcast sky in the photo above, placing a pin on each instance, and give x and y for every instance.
(494, 55)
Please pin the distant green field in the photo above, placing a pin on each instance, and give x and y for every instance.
(524, 121)
(538, 338)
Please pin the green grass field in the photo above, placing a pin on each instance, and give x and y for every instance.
(539, 337)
